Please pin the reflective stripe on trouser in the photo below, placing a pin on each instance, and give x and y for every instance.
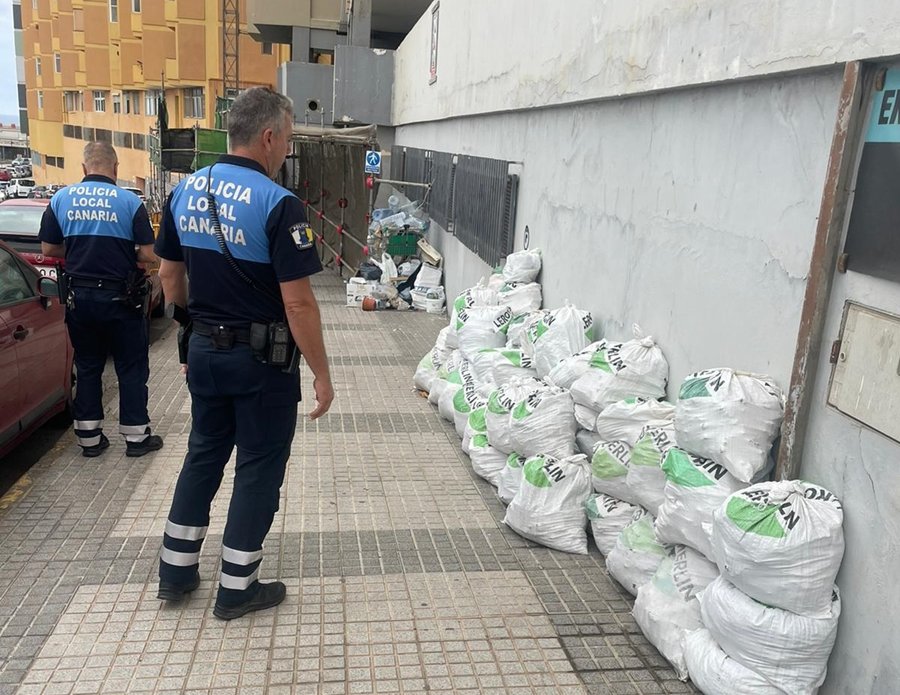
(181, 550)
(135, 433)
(98, 327)
(88, 432)
(235, 401)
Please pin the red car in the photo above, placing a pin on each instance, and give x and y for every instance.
(37, 380)
(20, 222)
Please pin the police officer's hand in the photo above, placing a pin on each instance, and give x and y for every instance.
(324, 397)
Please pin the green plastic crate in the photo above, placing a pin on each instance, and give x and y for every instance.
(402, 244)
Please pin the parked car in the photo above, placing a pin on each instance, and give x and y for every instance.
(38, 192)
(19, 188)
(20, 222)
(4, 174)
(37, 380)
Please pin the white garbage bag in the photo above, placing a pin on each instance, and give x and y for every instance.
(441, 342)
(609, 517)
(487, 461)
(791, 651)
(586, 442)
(522, 266)
(510, 479)
(645, 475)
(729, 417)
(517, 331)
(478, 295)
(501, 365)
(716, 673)
(559, 335)
(427, 370)
(609, 470)
(501, 403)
(666, 608)
(445, 404)
(544, 423)
(586, 418)
(549, 506)
(465, 401)
(637, 555)
(695, 488)
(635, 369)
(568, 370)
(782, 544)
(480, 327)
(496, 280)
(624, 420)
(521, 297)
(450, 365)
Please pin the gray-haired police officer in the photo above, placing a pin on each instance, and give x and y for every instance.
(238, 299)
(96, 226)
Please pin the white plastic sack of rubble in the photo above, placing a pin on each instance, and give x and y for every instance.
(716, 673)
(645, 475)
(522, 266)
(510, 478)
(441, 379)
(782, 544)
(634, 369)
(695, 488)
(477, 295)
(637, 555)
(789, 650)
(521, 297)
(474, 425)
(625, 420)
(729, 417)
(522, 329)
(666, 608)
(559, 335)
(544, 423)
(586, 442)
(609, 517)
(568, 370)
(586, 418)
(441, 342)
(609, 470)
(501, 365)
(487, 461)
(480, 327)
(501, 403)
(465, 401)
(455, 381)
(427, 370)
(549, 506)
(496, 280)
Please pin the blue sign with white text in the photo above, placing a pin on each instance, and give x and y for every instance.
(373, 162)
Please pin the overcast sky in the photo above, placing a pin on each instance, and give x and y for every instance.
(9, 102)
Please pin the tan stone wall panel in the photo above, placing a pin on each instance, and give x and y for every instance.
(96, 24)
(192, 9)
(192, 52)
(97, 66)
(65, 32)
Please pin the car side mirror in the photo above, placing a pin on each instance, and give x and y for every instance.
(48, 289)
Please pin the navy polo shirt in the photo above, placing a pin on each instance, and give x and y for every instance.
(265, 229)
(100, 224)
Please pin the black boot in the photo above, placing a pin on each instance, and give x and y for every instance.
(152, 442)
(269, 595)
(94, 451)
(177, 592)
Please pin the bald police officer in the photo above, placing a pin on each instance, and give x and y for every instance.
(102, 231)
(243, 242)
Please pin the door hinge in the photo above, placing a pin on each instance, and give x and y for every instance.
(835, 351)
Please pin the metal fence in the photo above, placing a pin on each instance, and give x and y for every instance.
(474, 198)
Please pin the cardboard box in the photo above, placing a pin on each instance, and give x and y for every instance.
(358, 289)
(428, 276)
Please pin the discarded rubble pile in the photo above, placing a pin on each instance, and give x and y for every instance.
(733, 575)
(396, 231)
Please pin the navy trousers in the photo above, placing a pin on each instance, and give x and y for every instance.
(235, 402)
(99, 326)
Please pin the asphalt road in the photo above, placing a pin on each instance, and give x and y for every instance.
(49, 438)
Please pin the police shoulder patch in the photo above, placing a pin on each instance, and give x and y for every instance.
(302, 235)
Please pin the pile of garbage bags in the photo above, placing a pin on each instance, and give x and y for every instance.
(733, 575)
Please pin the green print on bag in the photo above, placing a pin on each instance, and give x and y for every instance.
(543, 472)
(760, 518)
(479, 441)
(476, 420)
(652, 445)
(685, 470)
(701, 385)
(514, 461)
(609, 461)
(640, 537)
(600, 361)
(516, 358)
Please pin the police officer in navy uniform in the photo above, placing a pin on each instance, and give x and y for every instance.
(103, 231)
(237, 398)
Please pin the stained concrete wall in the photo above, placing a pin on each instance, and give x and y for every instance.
(691, 213)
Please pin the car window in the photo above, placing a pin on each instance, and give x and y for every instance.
(21, 220)
(14, 285)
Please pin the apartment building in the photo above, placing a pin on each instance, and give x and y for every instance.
(95, 70)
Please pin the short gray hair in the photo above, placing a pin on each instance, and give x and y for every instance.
(253, 111)
(100, 155)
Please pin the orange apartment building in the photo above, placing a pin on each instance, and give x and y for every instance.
(94, 70)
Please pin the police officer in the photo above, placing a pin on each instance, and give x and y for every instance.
(244, 244)
(102, 231)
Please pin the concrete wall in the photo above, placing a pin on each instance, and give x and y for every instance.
(505, 55)
(691, 212)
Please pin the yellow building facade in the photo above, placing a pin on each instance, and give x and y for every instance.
(94, 70)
